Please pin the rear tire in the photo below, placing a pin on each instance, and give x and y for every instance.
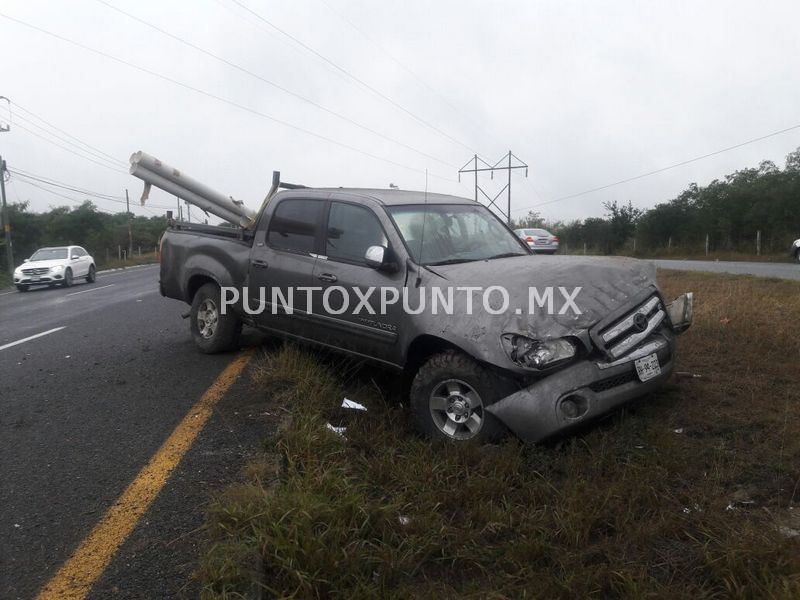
(91, 277)
(449, 396)
(22, 288)
(211, 330)
(67, 278)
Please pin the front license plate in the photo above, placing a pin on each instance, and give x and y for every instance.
(35, 278)
(647, 367)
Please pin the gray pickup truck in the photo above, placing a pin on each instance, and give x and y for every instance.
(488, 337)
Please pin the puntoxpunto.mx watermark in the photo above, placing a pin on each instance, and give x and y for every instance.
(338, 300)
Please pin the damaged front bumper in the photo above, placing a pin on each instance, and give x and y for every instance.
(589, 388)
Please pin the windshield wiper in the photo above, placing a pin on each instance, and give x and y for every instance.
(505, 255)
(450, 261)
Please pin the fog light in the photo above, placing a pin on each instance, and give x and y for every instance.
(574, 407)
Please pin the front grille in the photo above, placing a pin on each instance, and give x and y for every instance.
(36, 271)
(632, 329)
(612, 382)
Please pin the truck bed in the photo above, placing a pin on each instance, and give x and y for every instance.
(216, 230)
(193, 253)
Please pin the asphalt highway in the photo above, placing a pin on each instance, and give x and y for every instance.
(93, 379)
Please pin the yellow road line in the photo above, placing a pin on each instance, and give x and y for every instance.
(78, 574)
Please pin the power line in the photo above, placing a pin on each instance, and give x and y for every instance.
(63, 185)
(216, 97)
(353, 77)
(29, 177)
(408, 70)
(662, 169)
(70, 198)
(70, 150)
(107, 156)
(272, 83)
(79, 149)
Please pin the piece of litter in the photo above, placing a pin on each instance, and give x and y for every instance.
(678, 430)
(788, 531)
(67, 356)
(724, 320)
(688, 374)
(346, 403)
(639, 447)
(16, 525)
(737, 503)
(337, 430)
(403, 520)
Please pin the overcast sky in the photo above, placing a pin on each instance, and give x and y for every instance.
(587, 93)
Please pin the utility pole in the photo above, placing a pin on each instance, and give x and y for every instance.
(5, 128)
(6, 221)
(510, 166)
(130, 234)
(188, 211)
(180, 210)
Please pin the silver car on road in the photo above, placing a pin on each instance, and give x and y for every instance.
(539, 240)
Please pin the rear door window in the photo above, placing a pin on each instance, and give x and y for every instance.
(295, 225)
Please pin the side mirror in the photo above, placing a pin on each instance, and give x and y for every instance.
(75, 257)
(378, 257)
(26, 260)
(374, 256)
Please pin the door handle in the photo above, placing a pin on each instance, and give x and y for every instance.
(329, 277)
(261, 264)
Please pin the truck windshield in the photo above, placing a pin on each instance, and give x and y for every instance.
(453, 233)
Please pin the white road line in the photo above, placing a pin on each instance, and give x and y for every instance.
(91, 290)
(7, 293)
(33, 337)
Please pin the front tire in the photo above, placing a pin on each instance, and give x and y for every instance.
(91, 277)
(449, 396)
(22, 287)
(211, 330)
(67, 278)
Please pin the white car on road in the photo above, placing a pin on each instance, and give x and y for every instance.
(52, 266)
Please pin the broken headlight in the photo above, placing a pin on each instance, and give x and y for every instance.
(537, 354)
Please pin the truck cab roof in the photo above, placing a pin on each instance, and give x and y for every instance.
(382, 196)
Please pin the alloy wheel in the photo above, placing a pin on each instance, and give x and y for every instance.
(456, 409)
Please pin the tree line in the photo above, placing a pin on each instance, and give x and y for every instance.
(727, 215)
(100, 233)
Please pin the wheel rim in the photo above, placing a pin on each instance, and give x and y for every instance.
(456, 409)
(207, 318)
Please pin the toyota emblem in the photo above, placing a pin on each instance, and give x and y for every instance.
(639, 322)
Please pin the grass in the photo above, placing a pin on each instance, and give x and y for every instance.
(722, 255)
(684, 254)
(692, 492)
(113, 263)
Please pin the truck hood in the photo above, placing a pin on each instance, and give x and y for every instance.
(606, 285)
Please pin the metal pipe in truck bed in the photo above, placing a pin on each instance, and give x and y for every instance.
(155, 172)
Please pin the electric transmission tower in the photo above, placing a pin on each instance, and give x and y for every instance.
(508, 162)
